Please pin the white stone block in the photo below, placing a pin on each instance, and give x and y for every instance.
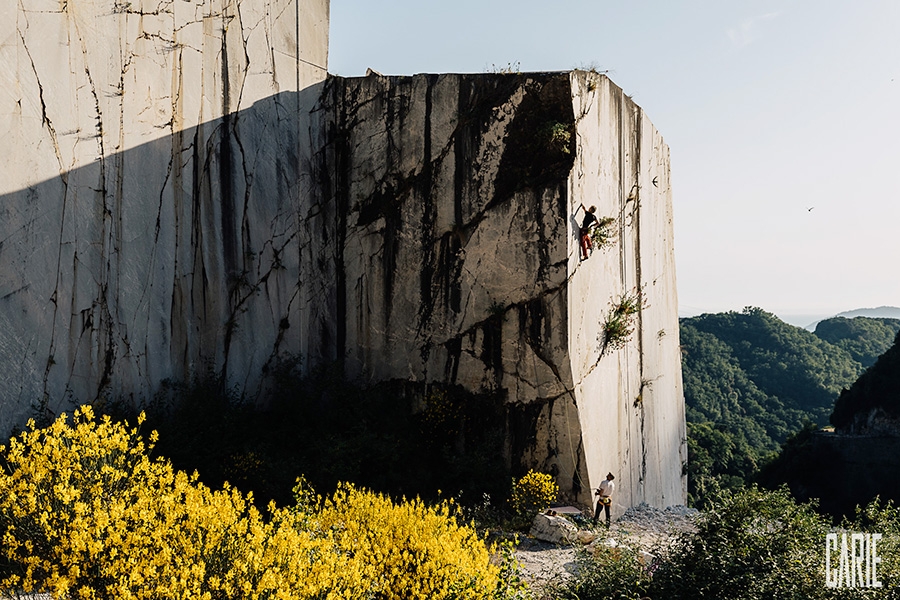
(553, 529)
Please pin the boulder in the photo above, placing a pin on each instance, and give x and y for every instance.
(551, 528)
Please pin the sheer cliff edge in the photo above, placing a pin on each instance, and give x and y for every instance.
(443, 235)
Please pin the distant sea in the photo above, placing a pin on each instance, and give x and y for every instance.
(805, 320)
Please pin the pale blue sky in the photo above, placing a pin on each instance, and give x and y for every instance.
(769, 108)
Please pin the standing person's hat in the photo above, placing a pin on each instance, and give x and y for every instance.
(610, 476)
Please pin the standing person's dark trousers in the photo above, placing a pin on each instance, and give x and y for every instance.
(601, 506)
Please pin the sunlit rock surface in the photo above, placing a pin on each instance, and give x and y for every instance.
(150, 189)
(184, 192)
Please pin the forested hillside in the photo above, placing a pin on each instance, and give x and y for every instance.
(877, 389)
(867, 465)
(863, 337)
(751, 381)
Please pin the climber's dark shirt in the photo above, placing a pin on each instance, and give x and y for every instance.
(589, 218)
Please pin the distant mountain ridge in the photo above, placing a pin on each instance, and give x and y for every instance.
(882, 312)
(890, 312)
(865, 338)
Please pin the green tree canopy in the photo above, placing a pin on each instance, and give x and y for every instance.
(787, 363)
(864, 338)
(877, 389)
(750, 381)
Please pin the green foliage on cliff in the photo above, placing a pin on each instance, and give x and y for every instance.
(877, 389)
(864, 338)
(751, 380)
(619, 323)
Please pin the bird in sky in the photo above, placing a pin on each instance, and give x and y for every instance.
(810, 209)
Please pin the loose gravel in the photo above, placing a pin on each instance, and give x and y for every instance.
(641, 527)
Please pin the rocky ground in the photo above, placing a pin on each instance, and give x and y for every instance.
(643, 527)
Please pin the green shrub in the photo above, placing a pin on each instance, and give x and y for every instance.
(751, 544)
(557, 136)
(609, 574)
(884, 518)
(603, 234)
(618, 326)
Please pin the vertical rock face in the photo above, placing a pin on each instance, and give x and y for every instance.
(184, 192)
(445, 223)
(148, 209)
(630, 400)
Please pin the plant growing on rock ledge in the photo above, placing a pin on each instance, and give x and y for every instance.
(558, 136)
(511, 68)
(603, 234)
(618, 326)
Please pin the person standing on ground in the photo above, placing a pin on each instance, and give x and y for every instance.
(604, 493)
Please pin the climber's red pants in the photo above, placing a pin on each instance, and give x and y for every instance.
(586, 245)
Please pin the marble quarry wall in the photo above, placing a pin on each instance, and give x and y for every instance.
(186, 192)
(445, 220)
(630, 400)
(149, 192)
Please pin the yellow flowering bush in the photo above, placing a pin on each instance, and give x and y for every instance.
(408, 550)
(86, 513)
(533, 493)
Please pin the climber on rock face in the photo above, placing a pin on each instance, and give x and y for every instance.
(588, 223)
(604, 500)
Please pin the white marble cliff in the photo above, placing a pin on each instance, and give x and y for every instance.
(149, 195)
(185, 192)
(444, 249)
